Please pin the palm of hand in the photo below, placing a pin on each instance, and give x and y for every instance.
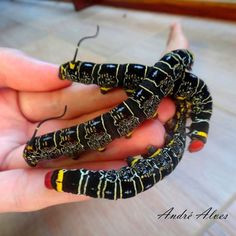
(32, 92)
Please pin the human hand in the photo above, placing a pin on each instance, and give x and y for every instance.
(30, 91)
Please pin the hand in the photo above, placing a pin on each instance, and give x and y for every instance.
(30, 92)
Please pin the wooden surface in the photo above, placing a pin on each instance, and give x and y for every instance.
(81, 4)
(50, 31)
(218, 9)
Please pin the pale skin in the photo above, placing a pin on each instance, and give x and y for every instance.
(30, 92)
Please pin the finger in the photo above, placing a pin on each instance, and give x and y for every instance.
(24, 189)
(80, 99)
(166, 109)
(20, 72)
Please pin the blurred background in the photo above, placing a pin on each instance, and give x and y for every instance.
(137, 31)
